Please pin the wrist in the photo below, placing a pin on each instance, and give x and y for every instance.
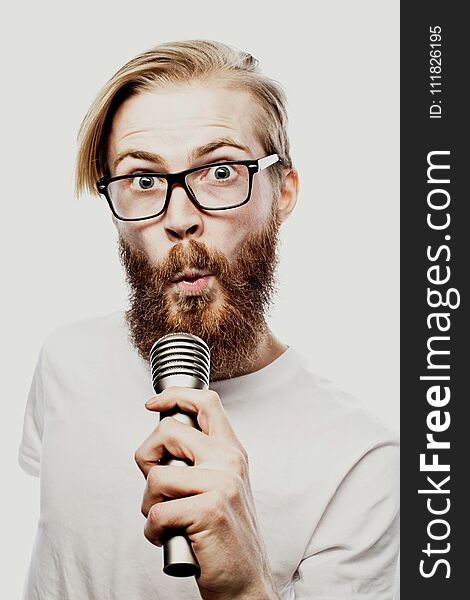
(265, 590)
(260, 592)
(267, 595)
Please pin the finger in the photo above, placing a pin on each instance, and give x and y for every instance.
(176, 438)
(192, 514)
(211, 415)
(170, 482)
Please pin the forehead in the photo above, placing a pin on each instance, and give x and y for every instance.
(173, 121)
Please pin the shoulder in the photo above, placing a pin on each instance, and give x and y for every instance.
(330, 413)
(86, 330)
(91, 338)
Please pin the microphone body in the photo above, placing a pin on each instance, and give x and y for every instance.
(179, 359)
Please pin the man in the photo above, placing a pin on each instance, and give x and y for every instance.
(292, 490)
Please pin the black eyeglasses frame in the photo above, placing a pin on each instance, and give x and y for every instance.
(254, 166)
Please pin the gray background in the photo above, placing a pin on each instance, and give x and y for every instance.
(338, 303)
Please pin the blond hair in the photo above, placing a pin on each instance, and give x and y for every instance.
(176, 63)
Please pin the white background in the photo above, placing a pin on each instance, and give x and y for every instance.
(338, 303)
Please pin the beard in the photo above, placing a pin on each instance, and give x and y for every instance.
(229, 317)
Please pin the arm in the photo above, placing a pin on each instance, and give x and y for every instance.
(29, 454)
(353, 552)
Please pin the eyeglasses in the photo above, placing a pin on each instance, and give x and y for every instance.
(215, 186)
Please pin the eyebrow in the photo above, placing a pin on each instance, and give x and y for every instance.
(196, 153)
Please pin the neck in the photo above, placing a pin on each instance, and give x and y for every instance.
(269, 349)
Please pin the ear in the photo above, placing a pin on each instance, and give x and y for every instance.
(287, 198)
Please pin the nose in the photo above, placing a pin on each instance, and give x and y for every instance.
(182, 219)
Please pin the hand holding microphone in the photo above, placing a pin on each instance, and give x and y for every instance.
(207, 502)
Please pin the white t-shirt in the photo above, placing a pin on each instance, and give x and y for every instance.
(324, 475)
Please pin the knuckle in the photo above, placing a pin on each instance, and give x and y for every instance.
(154, 477)
(154, 515)
(216, 507)
(138, 456)
(147, 534)
(171, 520)
(211, 399)
(161, 517)
(232, 486)
(238, 458)
(151, 535)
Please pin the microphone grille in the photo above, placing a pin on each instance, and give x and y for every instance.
(180, 359)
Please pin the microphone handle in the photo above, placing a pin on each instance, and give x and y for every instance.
(179, 559)
(181, 360)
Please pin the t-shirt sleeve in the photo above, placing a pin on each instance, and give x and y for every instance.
(29, 455)
(353, 553)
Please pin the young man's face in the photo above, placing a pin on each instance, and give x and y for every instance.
(176, 123)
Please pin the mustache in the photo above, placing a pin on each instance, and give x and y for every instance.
(191, 255)
(194, 255)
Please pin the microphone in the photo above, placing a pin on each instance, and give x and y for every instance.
(179, 359)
